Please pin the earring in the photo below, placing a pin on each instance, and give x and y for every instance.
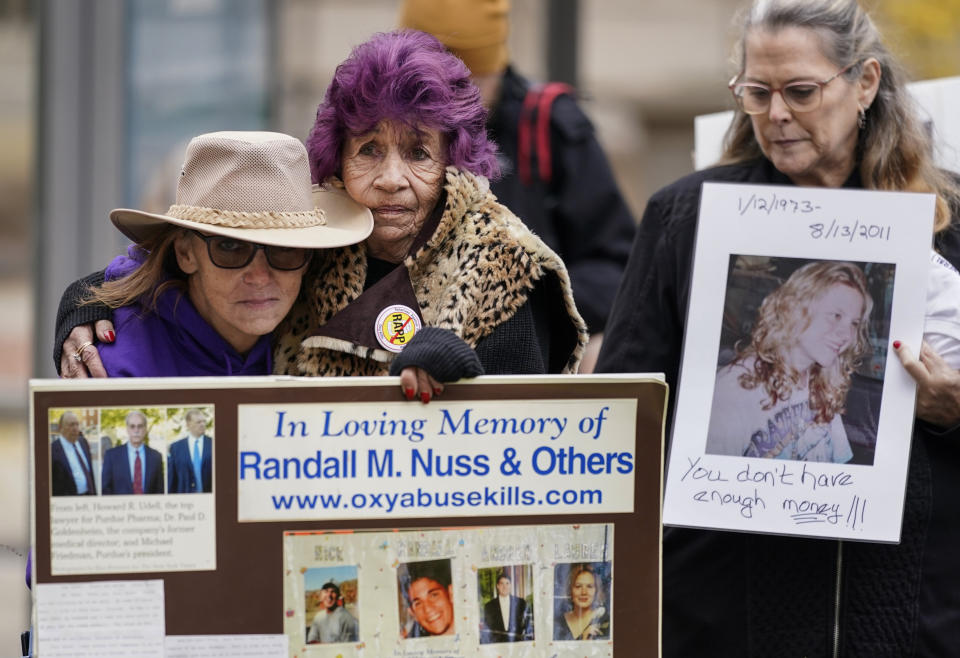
(861, 117)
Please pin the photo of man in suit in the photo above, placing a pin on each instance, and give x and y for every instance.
(505, 615)
(190, 461)
(71, 471)
(133, 468)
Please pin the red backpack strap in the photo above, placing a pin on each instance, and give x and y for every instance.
(548, 94)
(537, 104)
(525, 134)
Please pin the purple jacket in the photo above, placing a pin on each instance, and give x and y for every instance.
(173, 340)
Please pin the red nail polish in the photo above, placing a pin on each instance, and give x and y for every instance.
(437, 391)
(409, 393)
(424, 397)
(896, 344)
(110, 336)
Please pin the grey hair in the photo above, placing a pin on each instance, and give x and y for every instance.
(64, 415)
(894, 150)
(135, 412)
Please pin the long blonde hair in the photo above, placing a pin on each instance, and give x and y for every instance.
(894, 150)
(783, 316)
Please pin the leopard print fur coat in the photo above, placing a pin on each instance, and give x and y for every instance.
(473, 274)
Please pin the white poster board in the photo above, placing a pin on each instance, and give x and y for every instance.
(378, 460)
(528, 475)
(783, 278)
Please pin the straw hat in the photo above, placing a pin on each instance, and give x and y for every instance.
(253, 186)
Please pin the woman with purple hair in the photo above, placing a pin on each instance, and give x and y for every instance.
(450, 283)
(402, 129)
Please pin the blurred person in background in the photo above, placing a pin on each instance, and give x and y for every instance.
(820, 102)
(555, 176)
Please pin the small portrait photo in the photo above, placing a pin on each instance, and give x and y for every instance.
(331, 604)
(190, 456)
(803, 348)
(506, 603)
(425, 598)
(134, 462)
(582, 601)
(75, 452)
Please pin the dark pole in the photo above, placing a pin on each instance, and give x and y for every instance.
(562, 40)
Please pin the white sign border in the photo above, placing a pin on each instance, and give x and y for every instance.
(702, 490)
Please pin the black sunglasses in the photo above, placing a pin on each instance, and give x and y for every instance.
(232, 254)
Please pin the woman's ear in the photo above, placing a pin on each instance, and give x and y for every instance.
(183, 247)
(869, 82)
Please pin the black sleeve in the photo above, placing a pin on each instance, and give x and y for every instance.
(645, 331)
(595, 228)
(441, 353)
(516, 347)
(540, 338)
(71, 314)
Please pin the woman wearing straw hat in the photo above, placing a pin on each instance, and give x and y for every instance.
(206, 284)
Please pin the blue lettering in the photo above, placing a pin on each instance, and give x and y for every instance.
(454, 427)
(249, 460)
(326, 425)
(551, 455)
(292, 427)
(377, 467)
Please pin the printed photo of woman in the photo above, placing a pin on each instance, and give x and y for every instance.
(580, 602)
(783, 393)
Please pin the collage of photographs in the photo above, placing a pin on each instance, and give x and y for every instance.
(474, 591)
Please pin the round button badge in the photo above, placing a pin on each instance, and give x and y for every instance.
(396, 325)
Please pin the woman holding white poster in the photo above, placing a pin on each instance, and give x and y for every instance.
(820, 101)
(782, 395)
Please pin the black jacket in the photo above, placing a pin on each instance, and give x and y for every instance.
(736, 594)
(580, 213)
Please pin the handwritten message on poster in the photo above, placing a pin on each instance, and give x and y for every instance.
(360, 460)
(793, 414)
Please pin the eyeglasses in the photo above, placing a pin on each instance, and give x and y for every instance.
(232, 254)
(800, 96)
